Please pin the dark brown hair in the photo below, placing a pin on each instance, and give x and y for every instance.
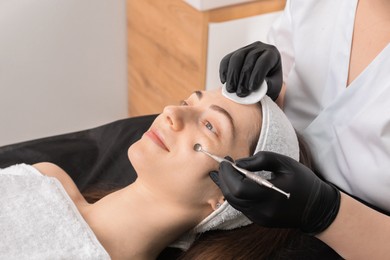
(95, 192)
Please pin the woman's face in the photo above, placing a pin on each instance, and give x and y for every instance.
(164, 157)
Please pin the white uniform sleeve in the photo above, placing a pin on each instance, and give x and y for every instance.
(281, 36)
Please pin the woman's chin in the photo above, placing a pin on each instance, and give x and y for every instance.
(134, 155)
(137, 156)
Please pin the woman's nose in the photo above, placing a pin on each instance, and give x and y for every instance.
(175, 116)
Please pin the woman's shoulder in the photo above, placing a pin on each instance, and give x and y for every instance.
(53, 170)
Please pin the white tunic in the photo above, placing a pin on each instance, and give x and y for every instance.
(347, 128)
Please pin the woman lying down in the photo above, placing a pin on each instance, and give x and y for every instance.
(43, 215)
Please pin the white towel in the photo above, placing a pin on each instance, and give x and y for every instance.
(38, 220)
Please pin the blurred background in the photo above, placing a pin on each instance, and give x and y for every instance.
(63, 66)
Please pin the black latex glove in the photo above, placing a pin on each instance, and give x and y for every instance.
(245, 69)
(312, 206)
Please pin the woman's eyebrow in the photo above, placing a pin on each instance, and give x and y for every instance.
(199, 94)
(226, 114)
(219, 109)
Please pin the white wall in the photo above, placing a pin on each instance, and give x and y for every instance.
(203, 5)
(63, 66)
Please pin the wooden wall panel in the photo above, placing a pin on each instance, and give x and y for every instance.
(246, 10)
(166, 52)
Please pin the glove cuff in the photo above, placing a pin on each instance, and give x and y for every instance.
(323, 210)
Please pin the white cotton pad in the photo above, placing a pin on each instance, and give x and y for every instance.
(252, 98)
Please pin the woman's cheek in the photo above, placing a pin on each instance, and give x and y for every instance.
(207, 166)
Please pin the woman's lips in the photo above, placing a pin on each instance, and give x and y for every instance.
(156, 139)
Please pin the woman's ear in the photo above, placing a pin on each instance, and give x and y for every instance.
(216, 203)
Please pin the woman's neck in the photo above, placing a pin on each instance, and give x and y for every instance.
(132, 223)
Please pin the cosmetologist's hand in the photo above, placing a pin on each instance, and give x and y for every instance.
(312, 206)
(245, 69)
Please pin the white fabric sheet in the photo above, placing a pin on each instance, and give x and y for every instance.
(38, 220)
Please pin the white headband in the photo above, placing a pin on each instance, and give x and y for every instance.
(277, 135)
